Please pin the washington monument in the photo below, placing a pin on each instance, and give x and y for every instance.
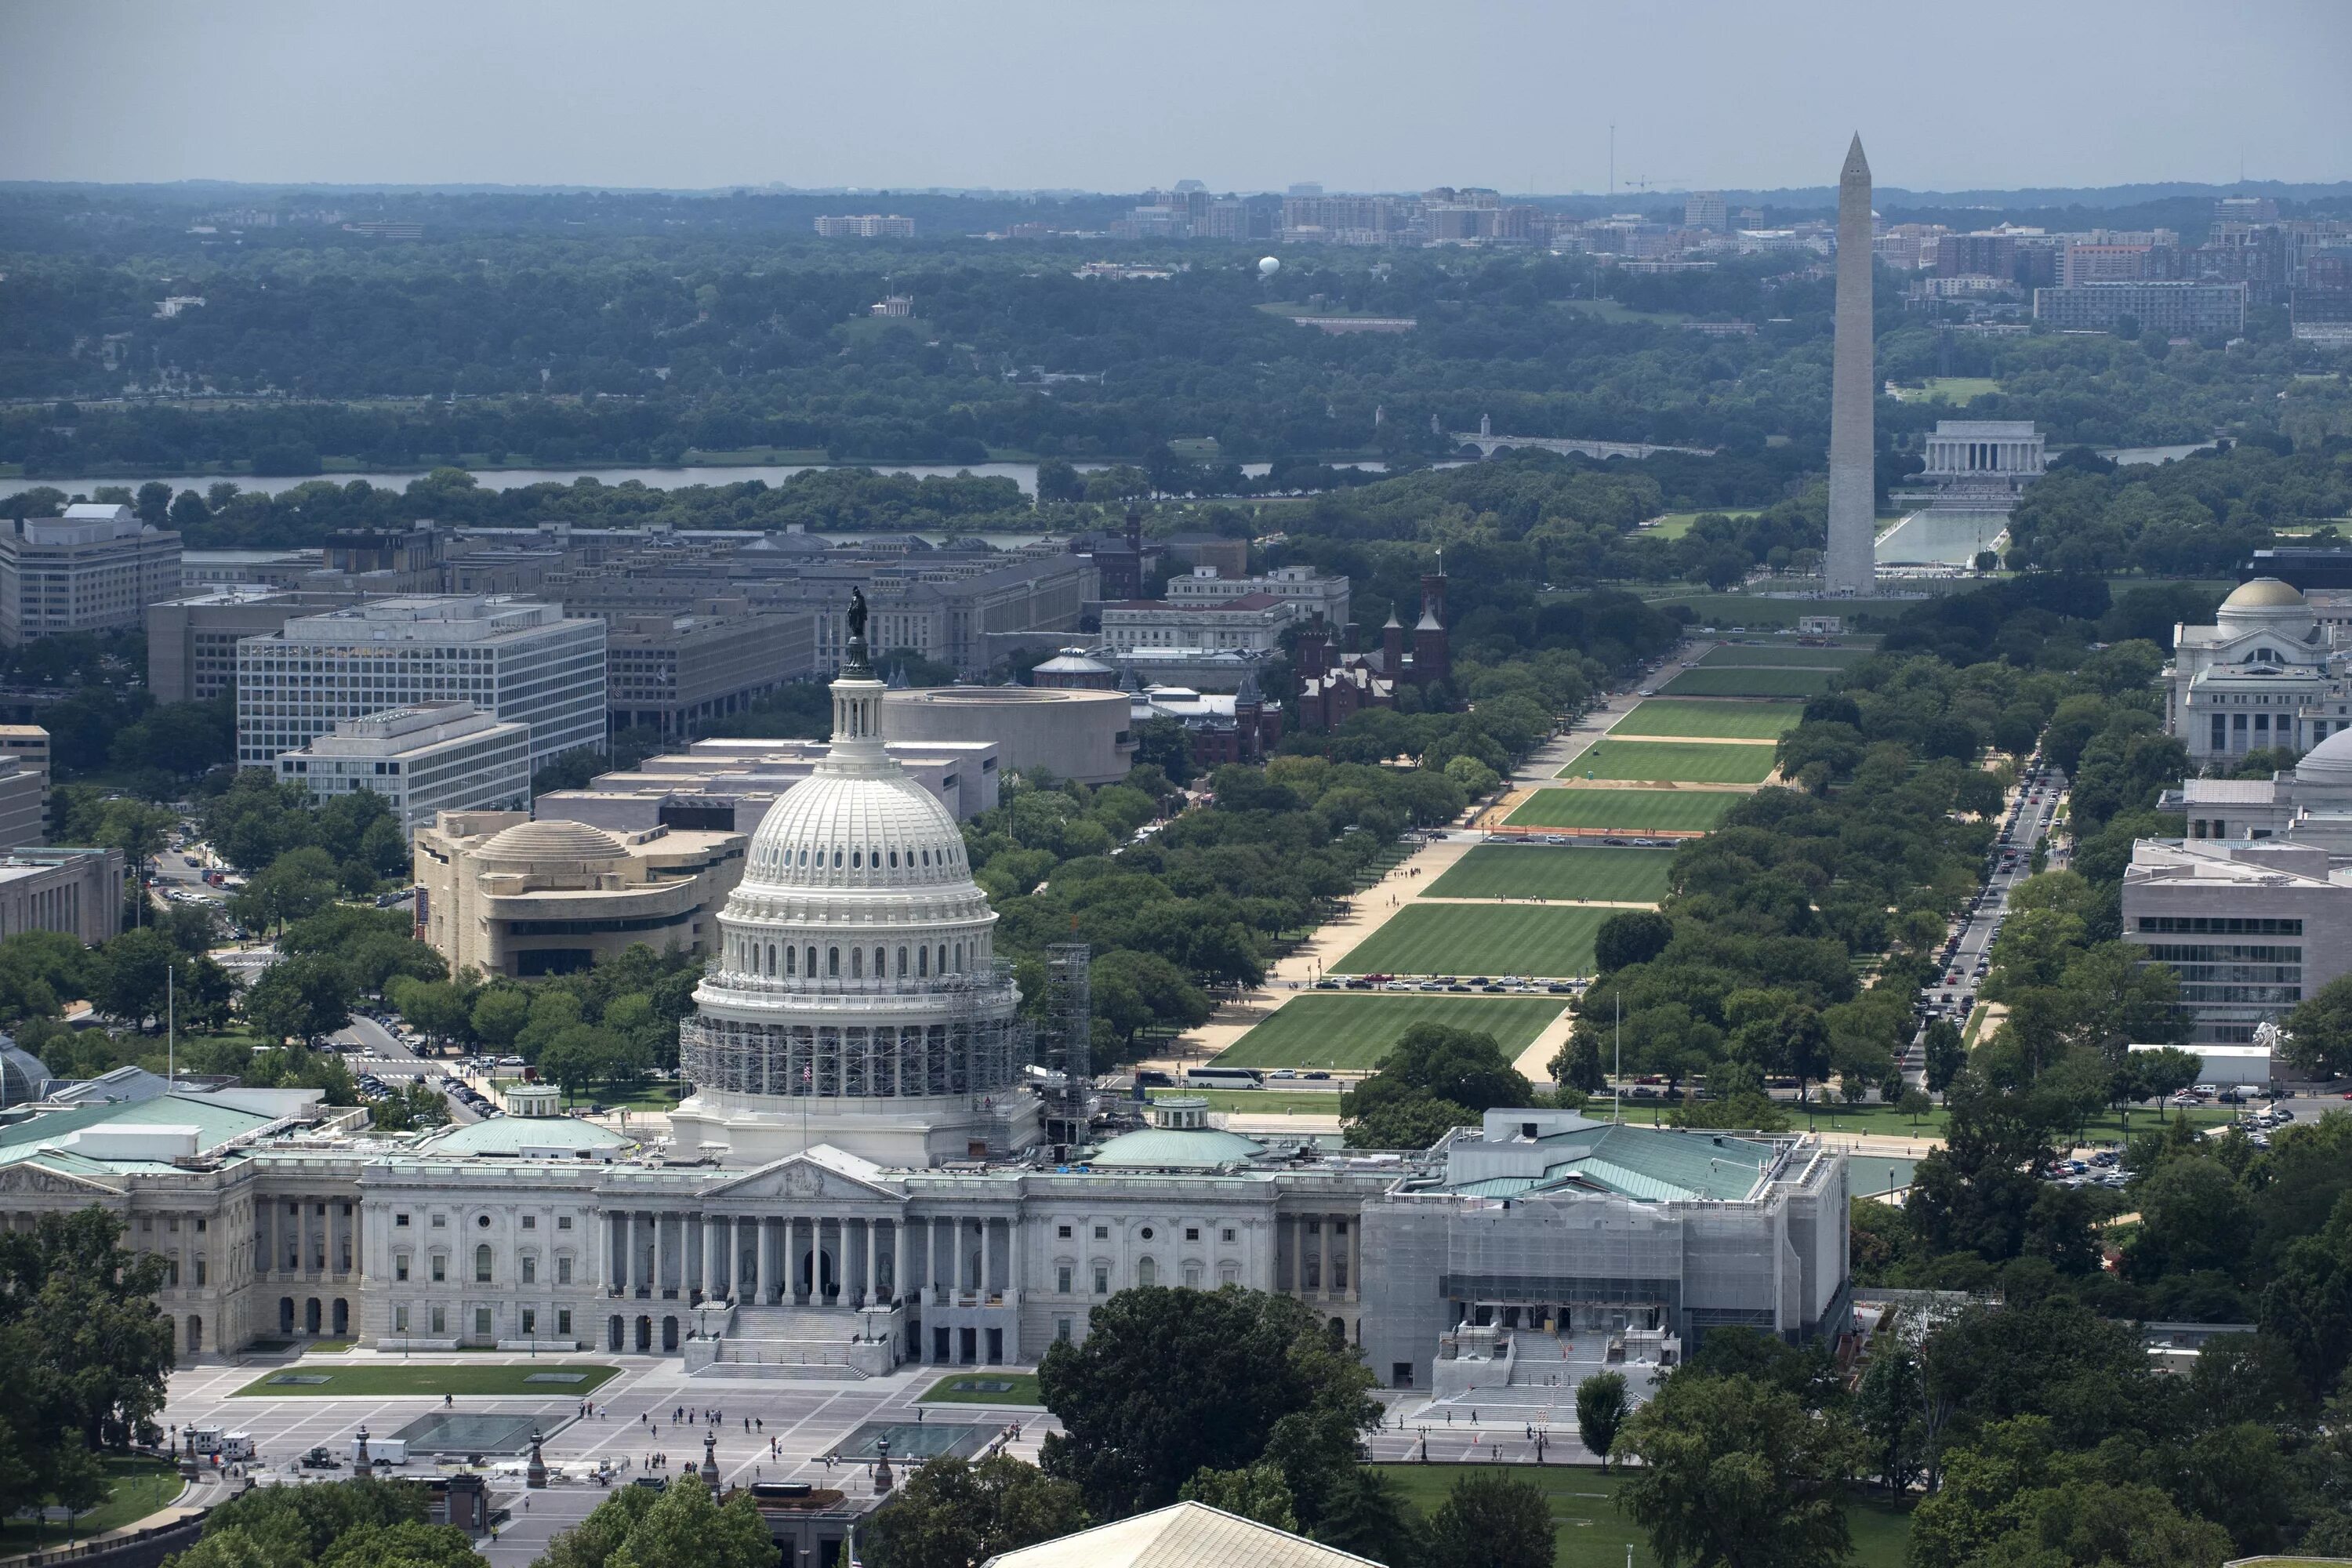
(1851, 567)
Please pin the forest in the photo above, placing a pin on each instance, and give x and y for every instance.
(517, 335)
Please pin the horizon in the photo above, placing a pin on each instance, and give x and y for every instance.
(1040, 96)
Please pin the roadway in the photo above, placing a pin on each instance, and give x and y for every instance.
(2028, 817)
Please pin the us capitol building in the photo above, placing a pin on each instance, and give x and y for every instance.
(860, 1178)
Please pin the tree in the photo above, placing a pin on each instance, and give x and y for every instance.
(1602, 1407)
(1736, 1474)
(131, 973)
(2319, 1031)
(2164, 1072)
(1631, 937)
(499, 1015)
(86, 1349)
(591, 1542)
(297, 884)
(953, 1514)
(408, 1545)
(1132, 1436)
(1945, 1053)
(687, 1529)
(300, 998)
(1887, 1409)
(1433, 1079)
(1490, 1519)
(1258, 1492)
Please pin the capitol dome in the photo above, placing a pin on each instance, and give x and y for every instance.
(855, 997)
(2328, 763)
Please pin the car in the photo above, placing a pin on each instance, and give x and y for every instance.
(321, 1459)
(1327, 984)
(1318, 1075)
(1282, 1072)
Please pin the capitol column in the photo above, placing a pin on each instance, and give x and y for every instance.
(710, 1258)
(763, 1258)
(987, 1270)
(661, 1253)
(899, 1262)
(872, 1296)
(631, 1275)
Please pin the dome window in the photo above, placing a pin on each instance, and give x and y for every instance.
(852, 860)
(923, 963)
(857, 964)
(836, 860)
(833, 962)
(894, 859)
(927, 857)
(804, 853)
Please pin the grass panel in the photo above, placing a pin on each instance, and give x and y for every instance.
(1710, 721)
(1353, 1032)
(1542, 939)
(1735, 682)
(1537, 871)
(1674, 762)
(1631, 811)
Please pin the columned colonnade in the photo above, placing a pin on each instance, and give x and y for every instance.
(810, 1259)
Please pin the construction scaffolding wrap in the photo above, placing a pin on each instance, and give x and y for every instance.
(969, 1044)
(1069, 1016)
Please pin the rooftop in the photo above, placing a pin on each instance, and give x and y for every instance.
(1182, 1535)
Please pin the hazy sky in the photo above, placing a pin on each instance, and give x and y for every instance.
(1376, 94)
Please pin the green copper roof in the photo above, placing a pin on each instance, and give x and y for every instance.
(215, 1123)
(1165, 1148)
(511, 1135)
(1650, 1165)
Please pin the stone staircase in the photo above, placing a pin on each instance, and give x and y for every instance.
(793, 1342)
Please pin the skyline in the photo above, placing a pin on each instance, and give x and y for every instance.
(1038, 95)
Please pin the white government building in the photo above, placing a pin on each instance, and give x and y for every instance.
(859, 1179)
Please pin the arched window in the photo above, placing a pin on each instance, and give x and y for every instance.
(881, 963)
(771, 960)
(833, 962)
(943, 958)
(857, 964)
(927, 857)
(923, 961)
(791, 956)
(894, 859)
(482, 1264)
(959, 957)
(855, 863)
(902, 963)
(810, 967)
(836, 860)
(804, 853)
(1146, 1273)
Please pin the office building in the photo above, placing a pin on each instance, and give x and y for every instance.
(865, 225)
(192, 639)
(442, 756)
(2249, 928)
(501, 894)
(1071, 734)
(95, 569)
(29, 745)
(23, 805)
(1316, 595)
(1706, 210)
(1252, 623)
(77, 892)
(2165, 309)
(672, 672)
(728, 785)
(205, 569)
(517, 659)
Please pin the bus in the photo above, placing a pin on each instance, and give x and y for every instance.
(1222, 1078)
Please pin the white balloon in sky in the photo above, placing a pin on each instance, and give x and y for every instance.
(1268, 265)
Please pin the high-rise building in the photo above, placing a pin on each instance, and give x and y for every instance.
(1706, 210)
(95, 569)
(865, 225)
(520, 659)
(668, 672)
(1851, 566)
(2167, 309)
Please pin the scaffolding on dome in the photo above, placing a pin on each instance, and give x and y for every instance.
(1065, 1043)
(977, 1050)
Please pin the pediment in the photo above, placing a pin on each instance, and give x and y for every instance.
(818, 1176)
(32, 1176)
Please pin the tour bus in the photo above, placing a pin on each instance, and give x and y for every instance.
(1222, 1078)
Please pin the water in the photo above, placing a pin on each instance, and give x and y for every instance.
(1022, 474)
(1927, 537)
